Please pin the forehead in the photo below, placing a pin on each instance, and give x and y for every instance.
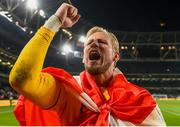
(99, 35)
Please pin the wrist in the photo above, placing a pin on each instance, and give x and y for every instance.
(53, 23)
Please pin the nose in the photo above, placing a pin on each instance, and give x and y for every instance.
(95, 44)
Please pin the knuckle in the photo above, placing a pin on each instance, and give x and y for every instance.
(64, 4)
(76, 10)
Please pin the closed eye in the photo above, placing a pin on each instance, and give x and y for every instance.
(102, 41)
(89, 42)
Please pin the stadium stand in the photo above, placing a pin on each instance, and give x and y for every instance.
(149, 59)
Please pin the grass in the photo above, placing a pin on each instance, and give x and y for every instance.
(7, 118)
(170, 110)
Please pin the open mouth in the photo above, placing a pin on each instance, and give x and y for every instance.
(94, 55)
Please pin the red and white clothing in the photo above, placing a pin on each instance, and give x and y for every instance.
(81, 102)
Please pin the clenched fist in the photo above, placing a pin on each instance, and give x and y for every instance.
(68, 15)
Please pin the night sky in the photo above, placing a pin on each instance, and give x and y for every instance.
(131, 15)
(122, 15)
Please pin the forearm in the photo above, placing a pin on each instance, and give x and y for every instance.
(26, 76)
(31, 59)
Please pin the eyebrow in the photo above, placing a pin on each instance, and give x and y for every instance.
(96, 39)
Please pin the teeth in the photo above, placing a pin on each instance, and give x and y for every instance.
(94, 55)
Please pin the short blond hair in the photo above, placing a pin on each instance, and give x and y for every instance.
(115, 43)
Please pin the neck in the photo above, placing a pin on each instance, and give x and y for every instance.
(104, 79)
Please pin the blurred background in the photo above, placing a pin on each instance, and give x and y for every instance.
(148, 34)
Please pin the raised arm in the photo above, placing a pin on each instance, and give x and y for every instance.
(26, 76)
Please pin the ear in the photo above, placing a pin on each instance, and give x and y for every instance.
(116, 57)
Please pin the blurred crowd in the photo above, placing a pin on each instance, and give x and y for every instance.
(7, 93)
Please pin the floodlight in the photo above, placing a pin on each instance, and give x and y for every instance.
(67, 48)
(82, 39)
(32, 4)
(8, 63)
(122, 47)
(162, 47)
(41, 13)
(31, 32)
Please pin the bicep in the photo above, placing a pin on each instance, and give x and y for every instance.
(43, 90)
(48, 90)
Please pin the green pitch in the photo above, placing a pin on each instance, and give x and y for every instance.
(170, 110)
(6, 117)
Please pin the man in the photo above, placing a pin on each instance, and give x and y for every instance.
(99, 96)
